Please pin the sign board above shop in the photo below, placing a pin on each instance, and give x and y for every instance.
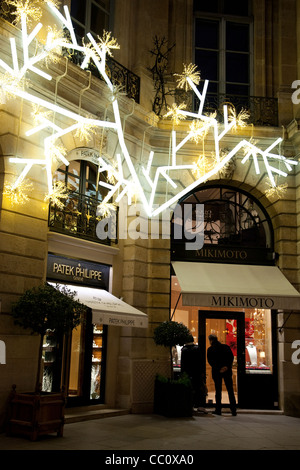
(80, 272)
(235, 286)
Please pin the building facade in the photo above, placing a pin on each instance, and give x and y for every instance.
(248, 51)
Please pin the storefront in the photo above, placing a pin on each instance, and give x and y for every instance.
(232, 288)
(79, 362)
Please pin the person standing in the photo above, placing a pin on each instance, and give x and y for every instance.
(220, 358)
(190, 364)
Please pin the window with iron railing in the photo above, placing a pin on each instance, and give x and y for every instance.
(223, 53)
(78, 215)
(95, 16)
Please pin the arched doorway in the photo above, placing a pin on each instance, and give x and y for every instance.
(238, 238)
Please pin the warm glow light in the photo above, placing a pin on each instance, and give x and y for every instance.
(12, 85)
(17, 194)
(189, 74)
(58, 194)
(175, 113)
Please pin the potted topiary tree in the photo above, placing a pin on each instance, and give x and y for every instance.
(42, 309)
(172, 397)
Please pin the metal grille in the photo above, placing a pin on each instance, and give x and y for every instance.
(77, 218)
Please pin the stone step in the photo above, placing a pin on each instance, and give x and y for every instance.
(87, 413)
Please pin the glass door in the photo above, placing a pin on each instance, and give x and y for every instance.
(87, 364)
(230, 329)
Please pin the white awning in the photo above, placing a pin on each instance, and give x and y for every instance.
(108, 309)
(233, 285)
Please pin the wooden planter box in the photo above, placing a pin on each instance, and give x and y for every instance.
(173, 399)
(36, 414)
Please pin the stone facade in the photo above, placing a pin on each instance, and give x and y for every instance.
(141, 268)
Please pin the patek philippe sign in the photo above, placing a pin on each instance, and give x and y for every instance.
(78, 272)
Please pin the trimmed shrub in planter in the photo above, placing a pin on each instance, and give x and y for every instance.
(41, 309)
(172, 398)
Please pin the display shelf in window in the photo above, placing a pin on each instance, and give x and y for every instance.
(96, 369)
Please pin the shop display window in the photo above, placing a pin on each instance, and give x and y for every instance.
(258, 345)
(97, 356)
(49, 360)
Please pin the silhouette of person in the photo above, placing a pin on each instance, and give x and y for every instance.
(190, 364)
(220, 358)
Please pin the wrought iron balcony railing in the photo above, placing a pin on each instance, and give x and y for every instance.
(118, 74)
(77, 218)
(263, 111)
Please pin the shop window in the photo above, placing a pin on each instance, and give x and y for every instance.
(91, 16)
(223, 47)
(258, 341)
(255, 356)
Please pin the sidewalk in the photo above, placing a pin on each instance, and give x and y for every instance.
(154, 432)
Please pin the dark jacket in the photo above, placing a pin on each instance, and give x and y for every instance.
(219, 355)
(190, 360)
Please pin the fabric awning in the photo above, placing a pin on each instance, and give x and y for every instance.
(233, 285)
(108, 309)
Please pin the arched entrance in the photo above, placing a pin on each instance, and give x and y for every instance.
(238, 243)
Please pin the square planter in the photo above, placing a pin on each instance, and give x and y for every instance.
(36, 414)
(173, 399)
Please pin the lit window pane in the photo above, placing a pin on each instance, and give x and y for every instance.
(258, 342)
(74, 168)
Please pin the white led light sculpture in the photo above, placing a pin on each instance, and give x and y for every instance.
(132, 185)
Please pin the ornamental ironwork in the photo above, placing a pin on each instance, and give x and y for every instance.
(119, 75)
(263, 110)
(77, 218)
(233, 221)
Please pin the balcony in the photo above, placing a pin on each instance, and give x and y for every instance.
(78, 218)
(118, 74)
(263, 111)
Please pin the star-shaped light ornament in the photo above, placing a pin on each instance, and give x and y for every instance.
(174, 112)
(86, 131)
(240, 119)
(9, 84)
(58, 194)
(199, 129)
(107, 42)
(191, 73)
(17, 194)
(40, 115)
(31, 9)
(105, 209)
(202, 166)
(54, 43)
(276, 191)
